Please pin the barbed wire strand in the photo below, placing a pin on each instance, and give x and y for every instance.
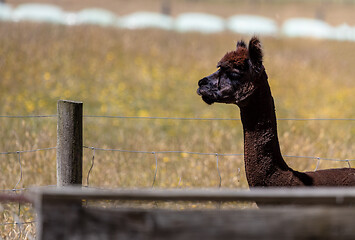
(324, 159)
(13, 190)
(178, 118)
(158, 152)
(212, 154)
(29, 116)
(215, 119)
(23, 189)
(162, 152)
(27, 151)
(15, 223)
(185, 152)
(215, 154)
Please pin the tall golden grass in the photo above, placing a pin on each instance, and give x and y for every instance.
(155, 73)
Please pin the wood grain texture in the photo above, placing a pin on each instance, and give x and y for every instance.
(69, 143)
(274, 223)
(304, 196)
(62, 216)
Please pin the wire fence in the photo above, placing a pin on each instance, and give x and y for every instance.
(177, 118)
(12, 204)
(19, 222)
(155, 153)
(15, 221)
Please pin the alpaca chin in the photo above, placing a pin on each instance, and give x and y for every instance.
(207, 100)
(205, 97)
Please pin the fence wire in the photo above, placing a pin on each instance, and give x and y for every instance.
(178, 118)
(15, 225)
(17, 220)
(211, 154)
(27, 151)
(155, 153)
(29, 116)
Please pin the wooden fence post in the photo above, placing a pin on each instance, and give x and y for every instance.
(69, 143)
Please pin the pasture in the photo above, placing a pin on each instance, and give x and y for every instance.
(154, 73)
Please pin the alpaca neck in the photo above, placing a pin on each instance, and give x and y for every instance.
(262, 153)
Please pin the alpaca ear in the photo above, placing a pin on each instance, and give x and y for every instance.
(241, 44)
(255, 51)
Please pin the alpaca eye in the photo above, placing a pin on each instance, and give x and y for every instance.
(234, 75)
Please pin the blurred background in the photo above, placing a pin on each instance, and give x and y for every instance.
(142, 59)
(274, 17)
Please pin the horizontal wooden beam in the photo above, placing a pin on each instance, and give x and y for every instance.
(13, 197)
(60, 214)
(305, 196)
(65, 221)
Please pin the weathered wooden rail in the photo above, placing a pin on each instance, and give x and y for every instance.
(314, 213)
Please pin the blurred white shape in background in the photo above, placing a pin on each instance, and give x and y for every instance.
(344, 32)
(5, 12)
(96, 16)
(186, 22)
(141, 20)
(70, 18)
(306, 27)
(38, 13)
(252, 25)
(199, 22)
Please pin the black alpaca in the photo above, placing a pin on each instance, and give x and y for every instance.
(241, 79)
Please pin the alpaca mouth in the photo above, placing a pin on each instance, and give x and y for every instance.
(206, 96)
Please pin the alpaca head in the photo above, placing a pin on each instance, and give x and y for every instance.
(239, 74)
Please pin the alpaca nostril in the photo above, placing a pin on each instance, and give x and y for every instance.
(203, 81)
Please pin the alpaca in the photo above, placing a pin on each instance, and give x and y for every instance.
(241, 79)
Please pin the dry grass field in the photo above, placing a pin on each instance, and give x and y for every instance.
(154, 73)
